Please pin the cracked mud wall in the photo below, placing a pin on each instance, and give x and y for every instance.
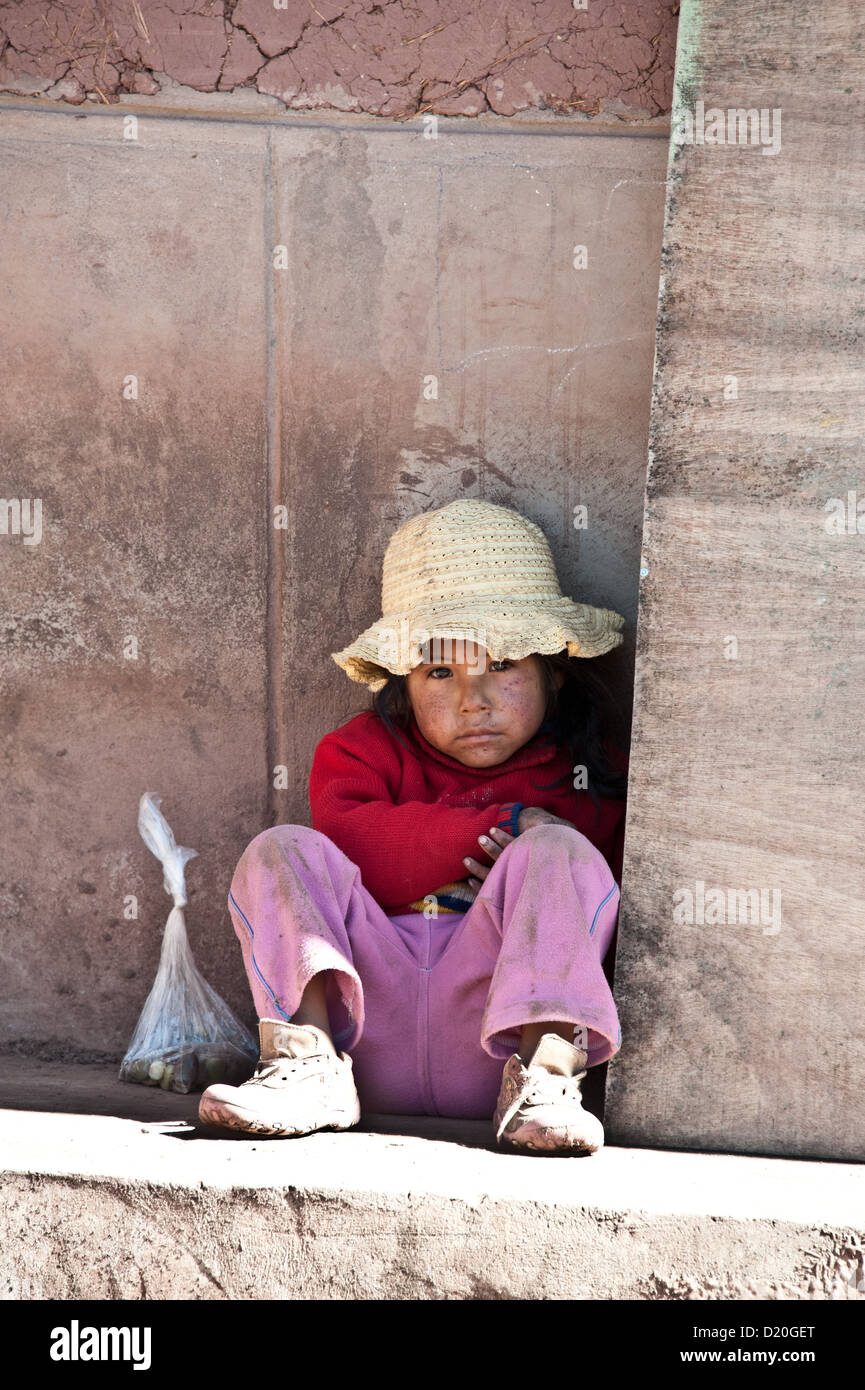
(392, 59)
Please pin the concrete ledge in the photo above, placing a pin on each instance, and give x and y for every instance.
(103, 1198)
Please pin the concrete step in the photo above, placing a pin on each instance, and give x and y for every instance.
(112, 1192)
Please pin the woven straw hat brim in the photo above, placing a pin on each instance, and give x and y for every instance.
(508, 627)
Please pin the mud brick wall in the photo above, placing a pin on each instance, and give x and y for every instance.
(394, 59)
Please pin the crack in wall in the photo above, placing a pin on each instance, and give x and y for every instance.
(398, 59)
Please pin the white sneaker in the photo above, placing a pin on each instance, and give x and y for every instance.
(301, 1084)
(540, 1107)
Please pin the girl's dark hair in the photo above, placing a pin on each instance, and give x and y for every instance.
(581, 718)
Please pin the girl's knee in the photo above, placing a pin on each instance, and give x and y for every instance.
(272, 849)
(282, 837)
(563, 838)
(562, 842)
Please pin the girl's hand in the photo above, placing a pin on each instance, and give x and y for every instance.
(494, 843)
(531, 816)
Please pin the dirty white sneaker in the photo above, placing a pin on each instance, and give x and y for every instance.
(301, 1084)
(540, 1108)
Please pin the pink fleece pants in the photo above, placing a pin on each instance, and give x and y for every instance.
(430, 1007)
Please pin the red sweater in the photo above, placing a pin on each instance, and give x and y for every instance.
(407, 814)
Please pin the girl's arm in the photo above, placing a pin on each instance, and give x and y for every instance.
(404, 850)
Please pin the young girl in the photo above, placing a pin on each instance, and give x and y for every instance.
(450, 909)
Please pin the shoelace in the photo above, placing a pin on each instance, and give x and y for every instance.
(267, 1069)
(543, 1087)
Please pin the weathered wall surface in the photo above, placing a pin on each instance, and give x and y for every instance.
(174, 376)
(393, 59)
(134, 631)
(747, 766)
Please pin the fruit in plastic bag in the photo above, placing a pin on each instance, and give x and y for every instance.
(186, 1037)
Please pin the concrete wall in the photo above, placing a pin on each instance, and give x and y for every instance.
(162, 635)
(748, 751)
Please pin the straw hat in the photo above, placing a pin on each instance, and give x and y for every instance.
(473, 571)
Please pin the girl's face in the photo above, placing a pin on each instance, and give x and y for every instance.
(478, 710)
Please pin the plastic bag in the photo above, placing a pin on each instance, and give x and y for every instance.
(187, 1037)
